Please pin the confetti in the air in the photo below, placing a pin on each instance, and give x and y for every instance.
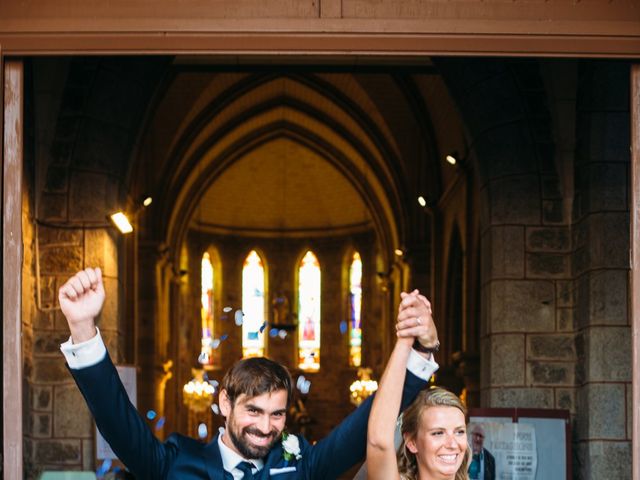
(282, 334)
(151, 414)
(273, 333)
(216, 343)
(223, 337)
(104, 467)
(343, 327)
(263, 326)
(202, 430)
(215, 409)
(239, 317)
(160, 423)
(300, 381)
(305, 387)
(227, 309)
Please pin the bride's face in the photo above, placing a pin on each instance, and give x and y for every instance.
(441, 442)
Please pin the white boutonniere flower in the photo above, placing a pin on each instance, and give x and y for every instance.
(290, 447)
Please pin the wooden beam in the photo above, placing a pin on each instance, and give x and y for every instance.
(635, 264)
(12, 154)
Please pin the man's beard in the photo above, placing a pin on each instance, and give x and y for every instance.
(247, 449)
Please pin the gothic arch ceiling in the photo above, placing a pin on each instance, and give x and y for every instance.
(248, 151)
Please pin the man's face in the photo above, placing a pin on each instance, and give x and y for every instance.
(254, 424)
(477, 440)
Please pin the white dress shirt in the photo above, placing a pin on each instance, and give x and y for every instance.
(230, 459)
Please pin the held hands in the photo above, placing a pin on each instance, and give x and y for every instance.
(415, 320)
(81, 299)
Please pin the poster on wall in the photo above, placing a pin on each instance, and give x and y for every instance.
(503, 451)
(519, 444)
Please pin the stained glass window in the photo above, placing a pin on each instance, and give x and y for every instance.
(253, 306)
(355, 311)
(309, 313)
(206, 310)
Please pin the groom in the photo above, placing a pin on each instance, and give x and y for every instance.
(254, 396)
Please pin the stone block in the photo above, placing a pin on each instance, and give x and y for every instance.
(521, 397)
(608, 240)
(566, 319)
(602, 297)
(565, 293)
(48, 343)
(88, 454)
(44, 320)
(551, 347)
(548, 265)
(48, 371)
(601, 412)
(604, 460)
(607, 186)
(550, 373)
(41, 397)
(566, 399)
(551, 187)
(100, 250)
(40, 425)
(506, 252)
(71, 414)
(509, 149)
(58, 260)
(552, 212)
(515, 200)
(521, 306)
(101, 147)
(608, 354)
(53, 206)
(50, 236)
(92, 196)
(108, 319)
(548, 239)
(507, 360)
(57, 451)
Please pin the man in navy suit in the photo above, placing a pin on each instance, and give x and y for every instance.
(253, 398)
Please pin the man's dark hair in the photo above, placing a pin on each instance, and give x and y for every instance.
(255, 376)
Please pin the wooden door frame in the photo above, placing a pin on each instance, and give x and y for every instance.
(238, 43)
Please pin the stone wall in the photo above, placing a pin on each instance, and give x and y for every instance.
(601, 268)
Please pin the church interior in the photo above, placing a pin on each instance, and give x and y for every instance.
(279, 206)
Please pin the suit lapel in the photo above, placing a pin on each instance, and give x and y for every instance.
(213, 461)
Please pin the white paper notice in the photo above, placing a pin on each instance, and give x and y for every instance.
(513, 446)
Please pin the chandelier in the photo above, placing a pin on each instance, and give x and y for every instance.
(198, 393)
(363, 387)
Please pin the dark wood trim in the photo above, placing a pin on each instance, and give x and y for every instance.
(635, 264)
(12, 267)
(318, 43)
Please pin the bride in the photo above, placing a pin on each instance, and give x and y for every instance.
(434, 437)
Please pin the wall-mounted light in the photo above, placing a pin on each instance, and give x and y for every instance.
(147, 201)
(452, 158)
(399, 252)
(422, 201)
(121, 222)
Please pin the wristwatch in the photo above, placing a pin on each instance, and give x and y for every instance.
(418, 347)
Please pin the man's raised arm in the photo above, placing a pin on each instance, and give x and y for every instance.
(81, 299)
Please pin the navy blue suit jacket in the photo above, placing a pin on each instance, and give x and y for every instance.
(184, 458)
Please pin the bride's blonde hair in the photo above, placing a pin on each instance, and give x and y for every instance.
(432, 397)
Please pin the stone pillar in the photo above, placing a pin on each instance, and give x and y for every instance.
(600, 264)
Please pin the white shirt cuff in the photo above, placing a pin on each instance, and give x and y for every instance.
(422, 367)
(85, 354)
